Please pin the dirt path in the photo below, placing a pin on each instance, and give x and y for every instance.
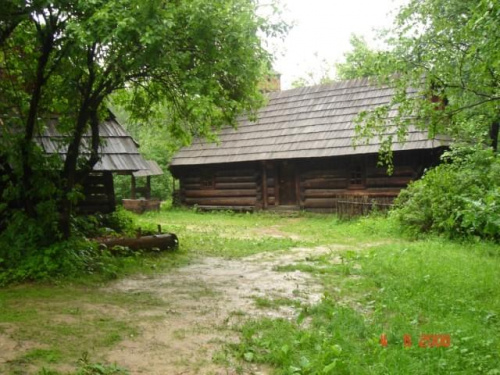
(205, 301)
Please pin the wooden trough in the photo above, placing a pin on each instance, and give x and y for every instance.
(162, 242)
(140, 206)
(146, 203)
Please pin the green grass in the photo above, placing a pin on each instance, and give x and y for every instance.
(412, 288)
(375, 282)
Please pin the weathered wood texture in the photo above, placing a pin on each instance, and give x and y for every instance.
(140, 206)
(162, 242)
(99, 194)
(347, 185)
(306, 122)
(221, 187)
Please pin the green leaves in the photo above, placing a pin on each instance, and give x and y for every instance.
(199, 62)
(459, 198)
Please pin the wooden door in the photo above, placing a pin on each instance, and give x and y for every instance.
(287, 188)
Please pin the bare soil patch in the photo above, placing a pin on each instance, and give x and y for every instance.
(205, 301)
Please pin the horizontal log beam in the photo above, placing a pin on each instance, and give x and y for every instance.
(235, 179)
(388, 181)
(220, 193)
(236, 185)
(237, 201)
(162, 242)
(398, 171)
(323, 193)
(235, 172)
(318, 183)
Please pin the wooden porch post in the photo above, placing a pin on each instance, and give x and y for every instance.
(276, 185)
(297, 186)
(132, 187)
(148, 187)
(264, 184)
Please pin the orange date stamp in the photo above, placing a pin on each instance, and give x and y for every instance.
(425, 341)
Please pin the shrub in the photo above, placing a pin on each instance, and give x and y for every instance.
(121, 221)
(459, 198)
(31, 250)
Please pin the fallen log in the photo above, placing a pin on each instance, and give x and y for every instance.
(167, 241)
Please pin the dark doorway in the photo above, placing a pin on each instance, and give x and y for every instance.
(287, 192)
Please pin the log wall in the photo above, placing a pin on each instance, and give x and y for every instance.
(347, 185)
(354, 185)
(99, 194)
(221, 187)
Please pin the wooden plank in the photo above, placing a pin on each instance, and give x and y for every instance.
(191, 180)
(132, 187)
(327, 173)
(319, 203)
(236, 185)
(191, 186)
(237, 201)
(264, 185)
(405, 170)
(276, 188)
(375, 192)
(321, 183)
(323, 193)
(297, 190)
(147, 194)
(387, 181)
(235, 179)
(220, 193)
(166, 241)
(249, 172)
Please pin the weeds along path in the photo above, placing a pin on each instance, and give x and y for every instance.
(206, 300)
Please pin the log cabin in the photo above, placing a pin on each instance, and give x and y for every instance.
(119, 154)
(299, 154)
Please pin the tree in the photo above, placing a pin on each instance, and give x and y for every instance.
(362, 61)
(201, 60)
(320, 76)
(444, 63)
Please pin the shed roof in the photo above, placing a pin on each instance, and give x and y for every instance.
(308, 122)
(118, 150)
(153, 170)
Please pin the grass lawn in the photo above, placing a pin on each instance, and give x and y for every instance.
(376, 283)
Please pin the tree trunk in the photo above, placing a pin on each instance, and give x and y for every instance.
(494, 129)
(26, 146)
(69, 171)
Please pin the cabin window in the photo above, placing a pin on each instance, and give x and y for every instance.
(207, 181)
(356, 178)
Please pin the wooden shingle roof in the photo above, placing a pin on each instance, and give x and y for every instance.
(154, 170)
(308, 122)
(118, 150)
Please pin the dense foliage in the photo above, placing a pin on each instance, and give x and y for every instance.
(460, 198)
(362, 61)
(443, 60)
(63, 60)
(27, 254)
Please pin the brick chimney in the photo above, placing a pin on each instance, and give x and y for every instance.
(270, 83)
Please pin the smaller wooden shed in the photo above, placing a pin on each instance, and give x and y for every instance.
(119, 153)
